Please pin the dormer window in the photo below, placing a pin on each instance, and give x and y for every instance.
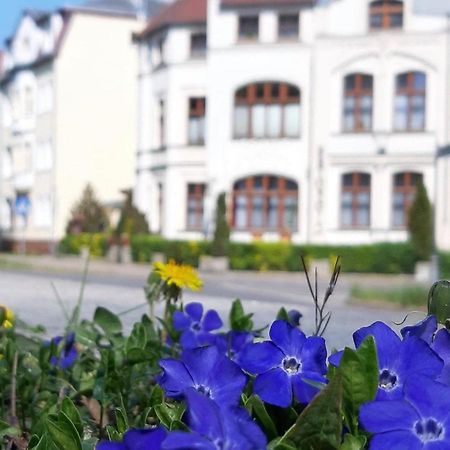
(248, 28)
(198, 45)
(386, 14)
(288, 26)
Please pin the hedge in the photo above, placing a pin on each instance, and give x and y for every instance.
(263, 256)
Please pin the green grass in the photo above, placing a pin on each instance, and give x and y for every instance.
(6, 264)
(412, 295)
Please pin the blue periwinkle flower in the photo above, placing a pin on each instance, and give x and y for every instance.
(397, 359)
(196, 328)
(294, 317)
(137, 440)
(216, 428)
(68, 352)
(424, 329)
(233, 343)
(285, 364)
(419, 421)
(208, 371)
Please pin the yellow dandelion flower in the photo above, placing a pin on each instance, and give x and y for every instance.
(180, 275)
(8, 317)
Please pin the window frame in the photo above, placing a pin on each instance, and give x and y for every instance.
(357, 93)
(196, 113)
(410, 91)
(253, 98)
(281, 194)
(198, 53)
(386, 9)
(198, 196)
(288, 37)
(355, 189)
(408, 191)
(245, 37)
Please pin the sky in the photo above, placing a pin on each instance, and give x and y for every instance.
(10, 11)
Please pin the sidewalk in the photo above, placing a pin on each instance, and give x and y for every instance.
(66, 264)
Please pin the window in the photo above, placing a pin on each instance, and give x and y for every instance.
(44, 155)
(162, 123)
(6, 214)
(265, 203)
(358, 101)
(7, 165)
(198, 45)
(197, 121)
(29, 102)
(248, 28)
(355, 200)
(195, 199)
(288, 26)
(267, 111)
(410, 96)
(386, 14)
(404, 192)
(43, 211)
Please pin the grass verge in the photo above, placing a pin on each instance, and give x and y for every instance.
(412, 295)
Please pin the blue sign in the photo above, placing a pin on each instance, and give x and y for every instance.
(22, 205)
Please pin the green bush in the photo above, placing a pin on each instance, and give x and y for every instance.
(72, 244)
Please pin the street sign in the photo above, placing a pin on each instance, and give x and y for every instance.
(22, 205)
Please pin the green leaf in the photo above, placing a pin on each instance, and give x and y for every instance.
(439, 301)
(43, 443)
(259, 410)
(319, 426)
(71, 411)
(137, 355)
(283, 315)
(107, 321)
(121, 420)
(354, 442)
(169, 413)
(359, 370)
(63, 433)
(138, 337)
(239, 321)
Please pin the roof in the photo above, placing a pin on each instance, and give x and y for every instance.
(113, 7)
(238, 3)
(181, 12)
(37, 15)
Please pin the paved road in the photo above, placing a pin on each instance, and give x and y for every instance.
(31, 295)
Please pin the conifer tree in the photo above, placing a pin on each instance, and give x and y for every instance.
(131, 220)
(221, 240)
(88, 215)
(421, 224)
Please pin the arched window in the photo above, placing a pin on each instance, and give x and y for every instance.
(385, 14)
(267, 111)
(355, 200)
(265, 203)
(410, 96)
(358, 102)
(404, 192)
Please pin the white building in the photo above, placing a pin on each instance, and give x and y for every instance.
(316, 120)
(68, 116)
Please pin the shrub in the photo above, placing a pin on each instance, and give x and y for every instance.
(131, 220)
(96, 242)
(221, 239)
(421, 224)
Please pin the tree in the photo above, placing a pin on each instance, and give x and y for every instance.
(421, 224)
(131, 220)
(221, 240)
(88, 215)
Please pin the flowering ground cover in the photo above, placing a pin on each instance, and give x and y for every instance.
(193, 380)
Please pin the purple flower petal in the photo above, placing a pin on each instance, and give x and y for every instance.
(178, 440)
(175, 378)
(145, 439)
(424, 329)
(314, 355)
(441, 344)
(274, 387)
(387, 342)
(289, 339)
(303, 391)
(201, 362)
(189, 340)
(110, 446)
(194, 310)
(390, 415)
(396, 440)
(181, 321)
(430, 398)
(261, 357)
(335, 358)
(212, 321)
